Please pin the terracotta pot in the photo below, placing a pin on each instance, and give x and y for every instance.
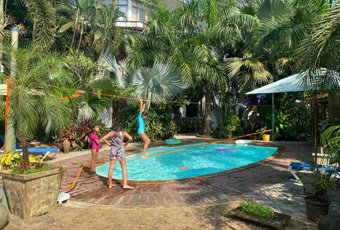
(66, 146)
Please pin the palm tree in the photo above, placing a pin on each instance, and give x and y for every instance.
(33, 101)
(283, 32)
(44, 22)
(280, 26)
(106, 35)
(84, 76)
(249, 73)
(156, 83)
(320, 49)
(186, 38)
(85, 13)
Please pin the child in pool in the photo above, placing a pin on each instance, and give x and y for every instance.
(117, 136)
(141, 127)
(95, 148)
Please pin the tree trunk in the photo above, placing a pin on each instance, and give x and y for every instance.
(102, 51)
(116, 107)
(34, 30)
(208, 110)
(81, 35)
(334, 108)
(25, 154)
(74, 30)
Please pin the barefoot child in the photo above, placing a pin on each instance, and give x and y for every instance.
(117, 136)
(95, 148)
(141, 127)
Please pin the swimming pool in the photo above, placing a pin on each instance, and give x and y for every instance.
(198, 161)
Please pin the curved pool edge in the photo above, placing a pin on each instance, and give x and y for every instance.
(270, 158)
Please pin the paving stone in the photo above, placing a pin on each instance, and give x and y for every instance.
(269, 183)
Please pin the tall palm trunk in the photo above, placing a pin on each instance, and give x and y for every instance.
(25, 154)
(117, 105)
(208, 110)
(334, 107)
(103, 49)
(74, 30)
(81, 35)
(34, 30)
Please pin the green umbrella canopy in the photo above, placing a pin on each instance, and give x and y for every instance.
(317, 80)
(304, 81)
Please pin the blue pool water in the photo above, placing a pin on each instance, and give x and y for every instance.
(188, 163)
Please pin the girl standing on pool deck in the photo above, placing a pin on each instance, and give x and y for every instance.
(141, 127)
(117, 136)
(95, 148)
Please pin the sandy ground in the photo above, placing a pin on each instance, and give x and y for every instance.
(72, 216)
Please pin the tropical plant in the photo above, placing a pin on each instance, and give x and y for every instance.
(159, 125)
(33, 100)
(330, 140)
(44, 23)
(228, 127)
(84, 17)
(88, 83)
(14, 161)
(106, 35)
(193, 42)
(320, 50)
(248, 72)
(156, 83)
(79, 134)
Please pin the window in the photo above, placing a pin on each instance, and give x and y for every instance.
(122, 2)
(124, 10)
(142, 15)
(134, 14)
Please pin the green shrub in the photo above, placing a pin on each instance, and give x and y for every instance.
(79, 134)
(37, 168)
(158, 125)
(229, 127)
(258, 210)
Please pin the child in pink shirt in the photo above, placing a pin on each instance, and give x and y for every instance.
(95, 147)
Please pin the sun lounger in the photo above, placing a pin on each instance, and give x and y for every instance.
(297, 166)
(43, 151)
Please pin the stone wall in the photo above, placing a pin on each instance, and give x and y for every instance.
(31, 195)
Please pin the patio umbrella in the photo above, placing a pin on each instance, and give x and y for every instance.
(318, 80)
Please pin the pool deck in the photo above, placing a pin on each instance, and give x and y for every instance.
(269, 183)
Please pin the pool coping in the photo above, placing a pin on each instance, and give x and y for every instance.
(278, 152)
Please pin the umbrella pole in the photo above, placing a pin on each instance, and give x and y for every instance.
(315, 131)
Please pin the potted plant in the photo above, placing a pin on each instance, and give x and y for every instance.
(34, 103)
(317, 205)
